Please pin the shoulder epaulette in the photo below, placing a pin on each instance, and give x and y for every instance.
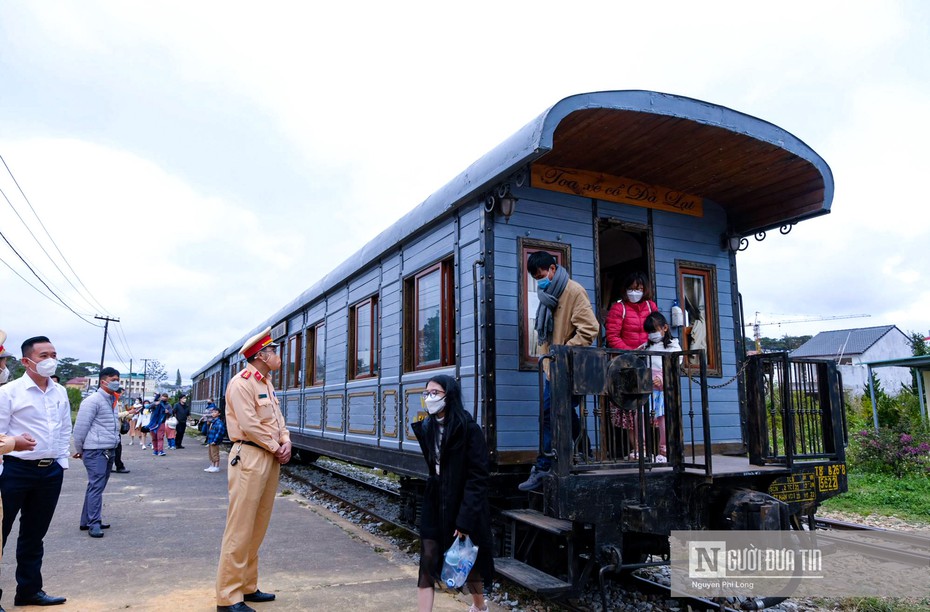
(246, 373)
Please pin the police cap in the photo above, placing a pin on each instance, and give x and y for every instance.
(256, 343)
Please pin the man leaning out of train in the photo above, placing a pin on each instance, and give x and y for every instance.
(455, 504)
(564, 317)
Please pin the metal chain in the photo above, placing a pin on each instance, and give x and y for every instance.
(721, 385)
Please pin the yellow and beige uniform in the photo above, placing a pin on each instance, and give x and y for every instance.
(252, 416)
(7, 444)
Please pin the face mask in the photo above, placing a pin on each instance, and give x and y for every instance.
(113, 386)
(46, 367)
(435, 404)
(4, 375)
(634, 296)
(543, 283)
(656, 337)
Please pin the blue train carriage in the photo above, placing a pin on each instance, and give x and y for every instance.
(607, 182)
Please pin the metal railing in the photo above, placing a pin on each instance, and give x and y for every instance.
(606, 433)
(794, 410)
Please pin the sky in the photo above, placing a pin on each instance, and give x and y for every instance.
(197, 165)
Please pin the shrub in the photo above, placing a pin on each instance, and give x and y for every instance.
(899, 450)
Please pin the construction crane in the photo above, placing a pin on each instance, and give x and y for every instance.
(756, 325)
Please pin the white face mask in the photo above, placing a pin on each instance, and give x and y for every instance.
(46, 367)
(634, 296)
(656, 337)
(435, 404)
(4, 375)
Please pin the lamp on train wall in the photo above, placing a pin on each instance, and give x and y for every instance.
(735, 243)
(508, 204)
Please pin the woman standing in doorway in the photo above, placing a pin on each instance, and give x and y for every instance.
(625, 331)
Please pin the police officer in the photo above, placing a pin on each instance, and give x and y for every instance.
(261, 444)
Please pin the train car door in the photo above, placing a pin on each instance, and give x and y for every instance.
(622, 248)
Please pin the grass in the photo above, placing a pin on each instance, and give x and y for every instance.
(907, 498)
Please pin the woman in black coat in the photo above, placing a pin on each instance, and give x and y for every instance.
(456, 499)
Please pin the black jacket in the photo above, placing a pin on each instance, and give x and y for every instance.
(458, 497)
(181, 412)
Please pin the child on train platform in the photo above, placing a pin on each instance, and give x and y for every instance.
(215, 437)
(660, 340)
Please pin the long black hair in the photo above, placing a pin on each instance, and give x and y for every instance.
(453, 392)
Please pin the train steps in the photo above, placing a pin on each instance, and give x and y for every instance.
(529, 524)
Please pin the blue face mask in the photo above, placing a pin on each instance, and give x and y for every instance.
(542, 283)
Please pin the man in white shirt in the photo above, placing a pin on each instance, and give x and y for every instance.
(30, 482)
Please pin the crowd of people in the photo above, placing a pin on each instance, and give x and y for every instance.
(36, 438)
(36, 434)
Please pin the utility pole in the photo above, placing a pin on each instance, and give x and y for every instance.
(130, 380)
(106, 324)
(145, 372)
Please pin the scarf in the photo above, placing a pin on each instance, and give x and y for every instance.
(548, 302)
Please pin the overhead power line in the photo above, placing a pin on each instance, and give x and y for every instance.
(52, 240)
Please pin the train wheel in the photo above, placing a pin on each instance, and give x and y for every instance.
(304, 457)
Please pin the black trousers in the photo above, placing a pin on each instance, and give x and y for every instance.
(33, 492)
(119, 455)
(179, 436)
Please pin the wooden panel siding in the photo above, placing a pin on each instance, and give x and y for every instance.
(334, 417)
(313, 411)
(292, 410)
(364, 285)
(428, 249)
(389, 420)
(363, 412)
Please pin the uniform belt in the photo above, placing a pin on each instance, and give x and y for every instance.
(42, 463)
(249, 443)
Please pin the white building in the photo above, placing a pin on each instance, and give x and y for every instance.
(132, 387)
(852, 348)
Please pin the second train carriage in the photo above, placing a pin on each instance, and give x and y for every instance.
(609, 183)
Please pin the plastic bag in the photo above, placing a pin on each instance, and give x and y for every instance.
(459, 560)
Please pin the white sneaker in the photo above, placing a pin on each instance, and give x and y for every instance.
(131, 442)
(209, 469)
(143, 447)
(474, 608)
(661, 459)
(214, 468)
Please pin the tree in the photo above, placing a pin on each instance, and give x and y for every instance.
(68, 368)
(919, 348)
(156, 371)
(177, 381)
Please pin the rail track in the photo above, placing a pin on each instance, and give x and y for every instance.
(899, 546)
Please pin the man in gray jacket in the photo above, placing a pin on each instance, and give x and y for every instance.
(96, 434)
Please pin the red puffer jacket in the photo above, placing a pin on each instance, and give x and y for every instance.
(625, 324)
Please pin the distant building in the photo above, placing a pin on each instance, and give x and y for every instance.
(82, 383)
(851, 348)
(132, 387)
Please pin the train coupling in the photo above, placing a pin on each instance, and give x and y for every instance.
(756, 511)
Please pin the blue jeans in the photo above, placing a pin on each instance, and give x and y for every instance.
(544, 463)
(33, 492)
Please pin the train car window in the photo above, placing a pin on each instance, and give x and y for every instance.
(363, 334)
(430, 318)
(697, 286)
(315, 362)
(293, 374)
(528, 302)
